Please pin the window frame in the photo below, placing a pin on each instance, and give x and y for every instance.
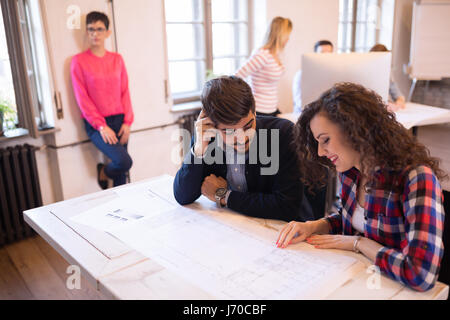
(354, 23)
(21, 43)
(33, 70)
(186, 97)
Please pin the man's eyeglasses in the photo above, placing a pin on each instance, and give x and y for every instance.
(98, 30)
(231, 132)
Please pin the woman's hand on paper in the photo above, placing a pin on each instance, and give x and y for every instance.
(399, 104)
(392, 107)
(329, 241)
(294, 232)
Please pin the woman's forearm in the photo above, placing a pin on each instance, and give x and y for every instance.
(321, 226)
(369, 248)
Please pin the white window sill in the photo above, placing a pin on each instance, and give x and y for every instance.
(48, 131)
(14, 133)
(21, 132)
(187, 106)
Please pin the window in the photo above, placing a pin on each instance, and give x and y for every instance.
(7, 94)
(363, 23)
(37, 69)
(24, 60)
(204, 38)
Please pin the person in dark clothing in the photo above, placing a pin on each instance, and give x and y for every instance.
(239, 160)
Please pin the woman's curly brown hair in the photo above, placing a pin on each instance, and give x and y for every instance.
(368, 126)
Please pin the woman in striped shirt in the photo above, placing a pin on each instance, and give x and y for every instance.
(391, 197)
(264, 68)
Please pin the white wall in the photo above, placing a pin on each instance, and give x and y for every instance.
(152, 153)
(140, 38)
(401, 40)
(312, 20)
(63, 43)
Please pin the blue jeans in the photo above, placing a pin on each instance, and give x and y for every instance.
(120, 159)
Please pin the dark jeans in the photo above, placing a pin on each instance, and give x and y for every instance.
(120, 159)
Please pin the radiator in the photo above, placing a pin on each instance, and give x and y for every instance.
(19, 191)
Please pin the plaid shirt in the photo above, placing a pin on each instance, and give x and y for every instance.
(407, 219)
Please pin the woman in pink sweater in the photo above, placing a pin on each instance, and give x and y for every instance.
(100, 84)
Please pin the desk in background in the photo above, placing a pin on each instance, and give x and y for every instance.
(120, 272)
(414, 115)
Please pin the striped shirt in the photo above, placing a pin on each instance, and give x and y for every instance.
(408, 222)
(264, 73)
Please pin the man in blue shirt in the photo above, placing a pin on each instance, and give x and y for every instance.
(322, 46)
(242, 161)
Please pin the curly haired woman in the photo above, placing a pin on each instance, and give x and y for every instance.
(391, 198)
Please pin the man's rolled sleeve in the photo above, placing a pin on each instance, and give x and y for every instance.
(188, 180)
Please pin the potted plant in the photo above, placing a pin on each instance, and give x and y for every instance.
(5, 109)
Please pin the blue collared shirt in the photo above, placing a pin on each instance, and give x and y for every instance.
(236, 171)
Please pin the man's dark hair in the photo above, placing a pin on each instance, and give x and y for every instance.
(95, 16)
(227, 100)
(379, 48)
(322, 43)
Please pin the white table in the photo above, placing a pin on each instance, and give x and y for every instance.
(122, 273)
(413, 115)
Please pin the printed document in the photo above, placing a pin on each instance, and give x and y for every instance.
(232, 264)
(226, 254)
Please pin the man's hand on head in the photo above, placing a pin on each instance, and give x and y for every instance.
(211, 184)
(204, 132)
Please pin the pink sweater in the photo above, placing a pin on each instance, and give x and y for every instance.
(100, 85)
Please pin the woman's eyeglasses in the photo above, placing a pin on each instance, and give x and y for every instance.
(98, 30)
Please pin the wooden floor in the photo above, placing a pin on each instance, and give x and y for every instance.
(32, 269)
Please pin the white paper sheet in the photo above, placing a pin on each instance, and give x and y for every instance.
(131, 206)
(230, 263)
(226, 254)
